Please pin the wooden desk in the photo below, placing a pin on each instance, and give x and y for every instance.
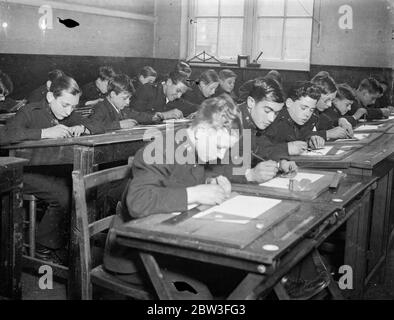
(11, 226)
(85, 154)
(352, 200)
(371, 160)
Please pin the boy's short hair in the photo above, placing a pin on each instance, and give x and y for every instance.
(226, 73)
(183, 66)
(208, 76)
(120, 83)
(64, 83)
(220, 112)
(345, 92)
(178, 76)
(106, 73)
(6, 85)
(54, 74)
(267, 88)
(371, 85)
(147, 71)
(305, 89)
(324, 80)
(274, 74)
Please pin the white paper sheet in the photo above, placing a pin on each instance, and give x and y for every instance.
(283, 183)
(357, 137)
(239, 209)
(381, 120)
(321, 151)
(367, 127)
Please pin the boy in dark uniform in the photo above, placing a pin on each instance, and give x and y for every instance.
(342, 103)
(367, 93)
(288, 133)
(95, 91)
(166, 184)
(146, 75)
(40, 93)
(113, 113)
(262, 105)
(163, 99)
(227, 79)
(51, 118)
(203, 88)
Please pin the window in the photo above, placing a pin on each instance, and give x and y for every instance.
(281, 29)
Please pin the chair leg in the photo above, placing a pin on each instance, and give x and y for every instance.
(32, 227)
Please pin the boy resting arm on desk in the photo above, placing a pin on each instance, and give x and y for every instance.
(113, 112)
(51, 118)
(289, 131)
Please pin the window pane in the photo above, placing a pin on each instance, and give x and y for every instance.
(207, 8)
(298, 38)
(230, 39)
(270, 7)
(206, 36)
(232, 8)
(269, 38)
(300, 8)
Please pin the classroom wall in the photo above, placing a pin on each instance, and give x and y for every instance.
(96, 35)
(368, 44)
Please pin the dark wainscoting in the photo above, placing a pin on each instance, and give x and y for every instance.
(28, 71)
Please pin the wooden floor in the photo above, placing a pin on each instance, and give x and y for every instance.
(375, 291)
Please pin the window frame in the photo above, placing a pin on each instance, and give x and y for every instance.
(250, 37)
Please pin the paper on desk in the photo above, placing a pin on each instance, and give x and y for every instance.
(176, 120)
(356, 136)
(283, 183)
(320, 152)
(239, 209)
(367, 127)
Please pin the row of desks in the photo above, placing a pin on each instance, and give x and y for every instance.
(365, 207)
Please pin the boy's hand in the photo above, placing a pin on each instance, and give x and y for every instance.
(172, 114)
(316, 142)
(287, 166)
(56, 132)
(343, 123)
(76, 131)
(223, 182)
(391, 108)
(209, 194)
(337, 133)
(263, 171)
(127, 123)
(295, 148)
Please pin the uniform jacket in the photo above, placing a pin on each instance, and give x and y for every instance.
(151, 98)
(38, 94)
(106, 118)
(7, 105)
(154, 188)
(284, 130)
(194, 95)
(90, 92)
(329, 119)
(31, 119)
(372, 112)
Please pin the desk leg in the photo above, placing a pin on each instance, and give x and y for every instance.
(83, 161)
(12, 243)
(356, 247)
(245, 290)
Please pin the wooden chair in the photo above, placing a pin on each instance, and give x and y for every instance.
(97, 275)
(164, 282)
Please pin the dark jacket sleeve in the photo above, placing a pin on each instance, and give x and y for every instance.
(142, 98)
(374, 113)
(146, 193)
(267, 149)
(183, 105)
(17, 129)
(100, 122)
(350, 119)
